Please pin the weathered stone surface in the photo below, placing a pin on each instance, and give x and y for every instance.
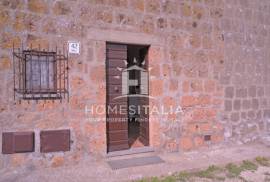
(13, 4)
(57, 161)
(61, 8)
(186, 143)
(138, 5)
(208, 57)
(8, 40)
(229, 92)
(156, 88)
(38, 6)
(153, 6)
(5, 63)
(26, 22)
(4, 18)
(228, 105)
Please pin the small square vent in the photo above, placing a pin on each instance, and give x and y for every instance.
(207, 137)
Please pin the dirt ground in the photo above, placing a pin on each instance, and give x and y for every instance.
(189, 166)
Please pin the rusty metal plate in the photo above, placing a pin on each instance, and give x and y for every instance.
(18, 142)
(55, 141)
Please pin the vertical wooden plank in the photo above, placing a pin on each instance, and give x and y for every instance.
(117, 123)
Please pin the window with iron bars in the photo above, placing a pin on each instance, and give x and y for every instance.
(40, 75)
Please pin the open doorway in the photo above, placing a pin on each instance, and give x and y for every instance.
(137, 56)
(127, 87)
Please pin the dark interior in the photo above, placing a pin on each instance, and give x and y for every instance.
(139, 53)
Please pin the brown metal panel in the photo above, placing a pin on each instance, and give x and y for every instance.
(18, 142)
(7, 143)
(24, 142)
(55, 140)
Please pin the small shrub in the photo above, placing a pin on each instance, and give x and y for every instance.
(233, 170)
(169, 179)
(262, 161)
(247, 165)
(183, 176)
(210, 172)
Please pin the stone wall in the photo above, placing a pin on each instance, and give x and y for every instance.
(208, 56)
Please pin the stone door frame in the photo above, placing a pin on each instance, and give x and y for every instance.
(156, 54)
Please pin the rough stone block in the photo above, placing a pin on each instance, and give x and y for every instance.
(246, 104)
(13, 4)
(138, 5)
(156, 87)
(153, 6)
(170, 7)
(5, 63)
(61, 8)
(104, 16)
(4, 18)
(186, 143)
(186, 9)
(196, 86)
(252, 91)
(188, 101)
(209, 86)
(255, 104)
(7, 40)
(241, 93)
(235, 116)
(229, 92)
(228, 105)
(237, 105)
(38, 6)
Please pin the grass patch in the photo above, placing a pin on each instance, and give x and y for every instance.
(168, 179)
(214, 172)
(248, 165)
(263, 161)
(235, 170)
(210, 172)
(152, 179)
(183, 176)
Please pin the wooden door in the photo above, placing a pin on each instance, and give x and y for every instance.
(117, 122)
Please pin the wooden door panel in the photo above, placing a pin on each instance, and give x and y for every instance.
(116, 54)
(118, 145)
(118, 135)
(115, 89)
(114, 80)
(115, 47)
(117, 125)
(117, 63)
(116, 98)
(115, 71)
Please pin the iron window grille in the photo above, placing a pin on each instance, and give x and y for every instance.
(40, 74)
